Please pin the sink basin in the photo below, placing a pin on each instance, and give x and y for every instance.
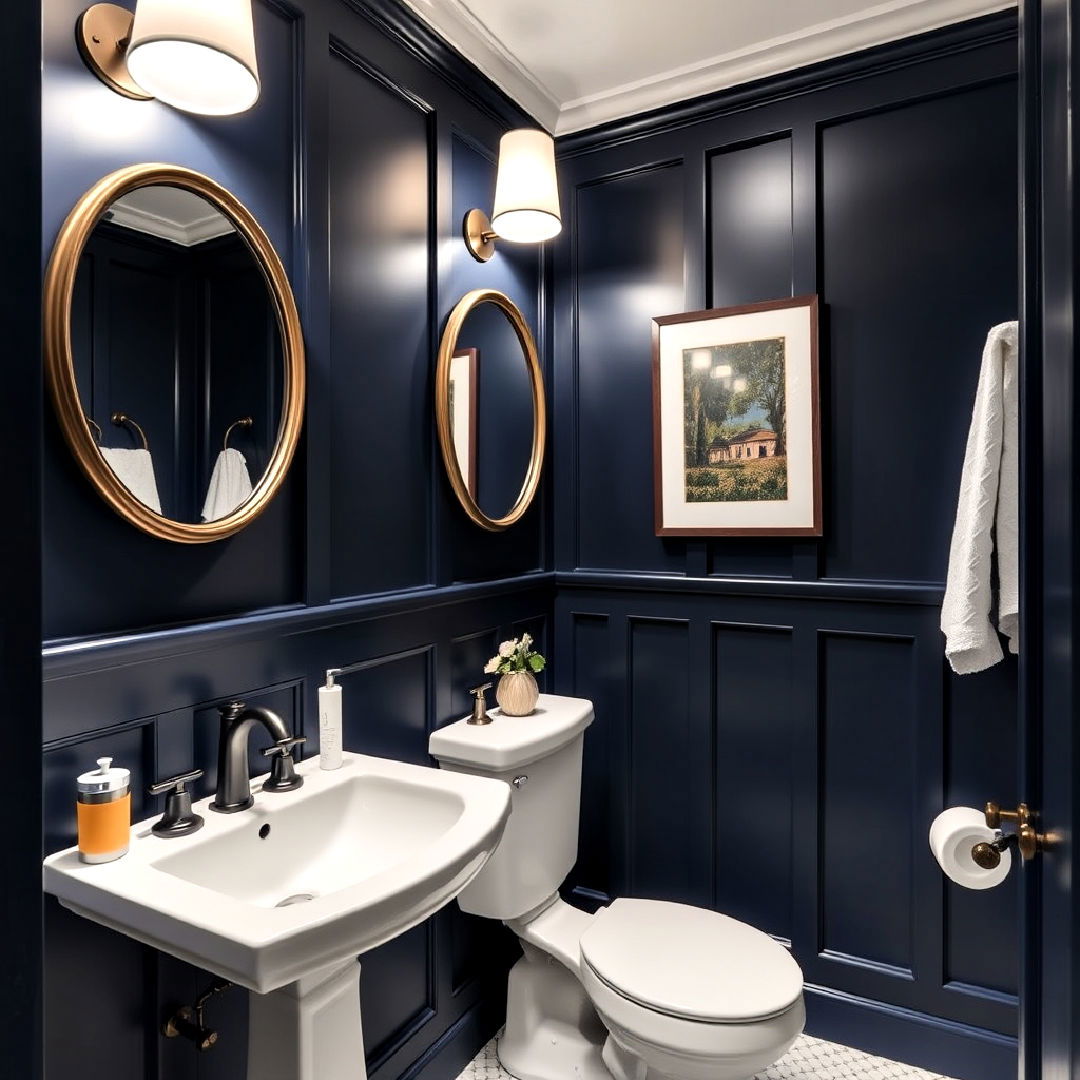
(302, 881)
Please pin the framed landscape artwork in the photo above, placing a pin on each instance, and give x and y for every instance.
(462, 406)
(736, 421)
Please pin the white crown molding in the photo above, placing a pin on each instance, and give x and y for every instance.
(452, 20)
(186, 234)
(889, 21)
(873, 26)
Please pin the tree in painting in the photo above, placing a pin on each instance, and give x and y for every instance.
(735, 421)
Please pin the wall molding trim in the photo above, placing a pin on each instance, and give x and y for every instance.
(925, 594)
(873, 59)
(66, 658)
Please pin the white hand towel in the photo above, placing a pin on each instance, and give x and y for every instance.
(230, 485)
(135, 470)
(989, 499)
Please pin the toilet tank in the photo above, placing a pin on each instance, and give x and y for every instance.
(539, 756)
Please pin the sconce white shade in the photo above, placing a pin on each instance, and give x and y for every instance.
(527, 189)
(196, 55)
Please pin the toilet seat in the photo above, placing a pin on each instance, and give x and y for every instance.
(690, 963)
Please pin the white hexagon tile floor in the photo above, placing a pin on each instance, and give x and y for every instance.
(808, 1059)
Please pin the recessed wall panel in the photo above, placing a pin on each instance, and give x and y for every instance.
(980, 732)
(754, 718)
(670, 797)
(380, 335)
(918, 248)
(750, 242)
(629, 268)
(601, 781)
(387, 706)
(867, 738)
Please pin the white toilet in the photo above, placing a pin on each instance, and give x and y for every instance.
(643, 989)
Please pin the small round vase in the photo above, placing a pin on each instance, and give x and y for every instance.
(517, 693)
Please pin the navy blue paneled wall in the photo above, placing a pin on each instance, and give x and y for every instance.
(776, 724)
(370, 139)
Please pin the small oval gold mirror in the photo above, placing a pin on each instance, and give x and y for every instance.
(173, 352)
(490, 408)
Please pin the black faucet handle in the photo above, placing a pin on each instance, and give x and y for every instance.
(179, 819)
(175, 784)
(283, 776)
(284, 746)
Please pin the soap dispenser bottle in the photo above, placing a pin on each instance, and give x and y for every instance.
(104, 812)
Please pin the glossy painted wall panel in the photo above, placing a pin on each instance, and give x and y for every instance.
(628, 268)
(750, 227)
(755, 742)
(907, 314)
(380, 335)
(868, 767)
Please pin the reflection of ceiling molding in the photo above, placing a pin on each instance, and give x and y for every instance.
(874, 25)
(183, 228)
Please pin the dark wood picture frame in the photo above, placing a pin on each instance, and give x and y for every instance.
(814, 530)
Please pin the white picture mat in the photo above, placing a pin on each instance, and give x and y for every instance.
(461, 381)
(797, 511)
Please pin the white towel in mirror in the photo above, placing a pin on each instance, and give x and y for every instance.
(135, 470)
(230, 485)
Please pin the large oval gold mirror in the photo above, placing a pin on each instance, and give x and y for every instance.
(490, 410)
(173, 352)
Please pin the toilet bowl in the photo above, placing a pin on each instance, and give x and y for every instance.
(640, 990)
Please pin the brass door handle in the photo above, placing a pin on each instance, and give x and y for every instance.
(1028, 840)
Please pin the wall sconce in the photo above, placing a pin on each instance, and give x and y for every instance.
(526, 196)
(195, 55)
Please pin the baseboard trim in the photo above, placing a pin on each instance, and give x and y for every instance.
(447, 1056)
(941, 1046)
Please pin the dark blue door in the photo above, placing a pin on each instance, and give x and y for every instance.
(1050, 664)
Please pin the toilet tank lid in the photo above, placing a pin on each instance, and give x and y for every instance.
(509, 742)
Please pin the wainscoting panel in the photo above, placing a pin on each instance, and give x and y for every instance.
(823, 725)
(755, 745)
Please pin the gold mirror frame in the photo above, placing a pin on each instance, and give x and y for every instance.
(447, 347)
(60, 365)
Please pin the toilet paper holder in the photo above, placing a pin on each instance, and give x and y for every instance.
(1026, 840)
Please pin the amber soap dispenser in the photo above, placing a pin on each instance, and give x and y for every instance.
(104, 812)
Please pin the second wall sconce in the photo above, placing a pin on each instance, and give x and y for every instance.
(526, 196)
(195, 55)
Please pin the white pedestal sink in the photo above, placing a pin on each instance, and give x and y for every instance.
(284, 897)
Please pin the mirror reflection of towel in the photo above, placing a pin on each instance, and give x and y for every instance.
(230, 485)
(135, 470)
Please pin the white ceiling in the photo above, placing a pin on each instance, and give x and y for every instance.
(577, 63)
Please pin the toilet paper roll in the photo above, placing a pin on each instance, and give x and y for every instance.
(952, 836)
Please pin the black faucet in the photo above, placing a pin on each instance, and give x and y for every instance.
(233, 782)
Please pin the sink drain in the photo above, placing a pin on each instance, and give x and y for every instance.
(296, 898)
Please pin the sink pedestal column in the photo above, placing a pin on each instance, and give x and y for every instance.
(310, 1029)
